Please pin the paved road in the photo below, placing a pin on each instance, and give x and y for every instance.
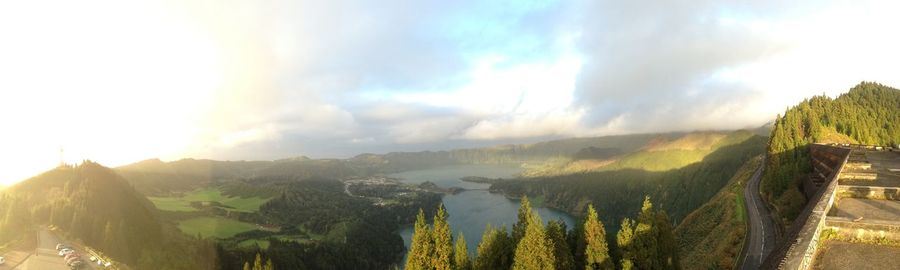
(45, 255)
(761, 236)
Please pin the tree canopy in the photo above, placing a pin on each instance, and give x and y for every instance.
(868, 114)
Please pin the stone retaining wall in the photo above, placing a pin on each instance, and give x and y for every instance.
(803, 244)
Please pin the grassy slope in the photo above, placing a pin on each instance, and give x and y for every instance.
(233, 203)
(661, 154)
(214, 227)
(618, 193)
(712, 236)
(680, 152)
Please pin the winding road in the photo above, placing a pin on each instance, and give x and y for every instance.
(761, 234)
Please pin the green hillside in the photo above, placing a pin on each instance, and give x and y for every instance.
(711, 237)
(208, 196)
(616, 192)
(868, 114)
(664, 152)
(95, 205)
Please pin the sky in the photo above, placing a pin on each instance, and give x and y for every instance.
(119, 81)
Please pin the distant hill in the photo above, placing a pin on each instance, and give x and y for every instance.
(679, 173)
(156, 177)
(868, 114)
(94, 204)
(509, 154)
(663, 152)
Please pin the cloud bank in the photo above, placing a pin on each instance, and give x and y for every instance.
(269, 79)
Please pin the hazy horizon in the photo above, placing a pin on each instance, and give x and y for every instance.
(119, 82)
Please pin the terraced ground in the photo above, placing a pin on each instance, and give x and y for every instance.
(862, 228)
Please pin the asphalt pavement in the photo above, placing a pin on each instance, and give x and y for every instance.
(46, 257)
(761, 236)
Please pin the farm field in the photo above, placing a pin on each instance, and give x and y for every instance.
(264, 243)
(208, 195)
(217, 227)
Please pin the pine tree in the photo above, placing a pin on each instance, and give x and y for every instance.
(421, 248)
(578, 245)
(556, 237)
(443, 241)
(533, 251)
(257, 264)
(596, 253)
(668, 247)
(247, 266)
(645, 238)
(269, 265)
(625, 241)
(525, 216)
(461, 254)
(495, 251)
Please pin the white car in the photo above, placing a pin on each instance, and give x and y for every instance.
(66, 251)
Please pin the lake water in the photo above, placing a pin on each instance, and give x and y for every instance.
(470, 211)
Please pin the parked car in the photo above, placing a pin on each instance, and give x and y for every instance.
(66, 251)
(76, 264)
(70, 256)
(62, 246)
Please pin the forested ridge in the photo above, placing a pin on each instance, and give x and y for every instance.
(94, 205)
(868, 114)
(155, 177)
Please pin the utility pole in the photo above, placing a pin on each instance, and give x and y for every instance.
(62, 161)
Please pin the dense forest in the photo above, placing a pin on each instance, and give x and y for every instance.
(868, 114)
(616, 193)
(355, 234)
(644, 243)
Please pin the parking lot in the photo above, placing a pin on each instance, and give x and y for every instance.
(46, 257)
